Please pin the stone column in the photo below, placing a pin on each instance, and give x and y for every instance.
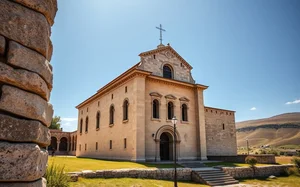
(57, 147)
(25, 86)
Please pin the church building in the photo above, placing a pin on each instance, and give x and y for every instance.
(130, 118)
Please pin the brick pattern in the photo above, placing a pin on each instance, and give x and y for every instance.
(25, 85)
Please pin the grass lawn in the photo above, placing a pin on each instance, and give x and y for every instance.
(283, 159)
(231, 164)
(78, 164)
(130, 183)
(291, 181)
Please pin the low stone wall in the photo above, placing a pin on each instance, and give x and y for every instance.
(183, 174)
(263, 159)
(260, 171)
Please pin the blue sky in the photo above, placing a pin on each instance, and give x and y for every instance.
(247, 51)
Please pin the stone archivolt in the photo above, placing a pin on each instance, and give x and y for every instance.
(25, 85)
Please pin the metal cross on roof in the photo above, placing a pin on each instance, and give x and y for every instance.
(160, 29)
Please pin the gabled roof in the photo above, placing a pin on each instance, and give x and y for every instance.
(164, 48)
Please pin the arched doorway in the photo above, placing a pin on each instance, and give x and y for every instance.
(53, 144)
(166, 146)
(63, 144)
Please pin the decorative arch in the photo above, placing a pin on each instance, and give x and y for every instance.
(87, 124)
(63, 145)
(80, 128)
(111, 114)
(169, 129)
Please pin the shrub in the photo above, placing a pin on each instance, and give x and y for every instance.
(293, 171)
(251, 160)
(296, 161)
(56, 177)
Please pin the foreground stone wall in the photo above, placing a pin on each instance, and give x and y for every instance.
(183, 174)
(262, 159)
(25, 86)
(260, 171)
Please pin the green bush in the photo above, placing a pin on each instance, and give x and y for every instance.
(296, 161)
(56, 177)
(293, 171)
(251, 160)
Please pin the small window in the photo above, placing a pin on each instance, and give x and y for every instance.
(184, 112)
(216, 112)
(98, 103)
(167, 72)
(110, 144)
(86, 124)
(170, 110)
(80, 128)
(87, 109)
(85, 147)
(98, 120)
(112, 96)
(155, 108)
(211, 111)
(125, 143)
(154, 56)
(111, 114)
(96, 146)
(226, 113)
(125, 110)
(206, 110)
(79, 147)
(81, 111)
(125, 89)
(223, 126)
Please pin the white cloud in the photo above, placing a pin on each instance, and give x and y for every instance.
(68, 119)
(253, 108)
(293, 102)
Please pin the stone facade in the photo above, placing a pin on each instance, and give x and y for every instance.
(220, 132)
(263, 159)
(25, 85)
(152, 99)
(260, 171)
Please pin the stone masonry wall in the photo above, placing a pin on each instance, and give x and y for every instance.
(183, 174)
(263, 159)
(260, 171)
(25, 86)
(220, 132)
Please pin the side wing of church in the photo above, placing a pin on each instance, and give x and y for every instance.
(130, 117)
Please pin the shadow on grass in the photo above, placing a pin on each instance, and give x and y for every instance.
(150, 165)
(265, 179)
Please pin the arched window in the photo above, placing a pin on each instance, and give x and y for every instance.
(155, 108)
(98, 120)
(125, 110)
(170, 110)
(223, 126)
(81, 121)
(167, 72)
(184, 112)
(111, 114)
(86, 124)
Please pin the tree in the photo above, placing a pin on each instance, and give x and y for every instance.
(251, 160)
(55, 123)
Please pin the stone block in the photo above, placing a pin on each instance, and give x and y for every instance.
(21, 130)
(2, 45)
(22, 162)
(46, 7)
(24, 25)
(25, 104)
(26, 58)
(39, 183)
(24, 79)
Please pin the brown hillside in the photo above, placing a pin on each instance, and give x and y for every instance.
(270, 131)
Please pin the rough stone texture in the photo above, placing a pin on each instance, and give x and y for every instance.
(39, 183)
(24, 79)
(260, 171)
(48, 7)
(2, 45)
(263, 159)
(20, 130)
(22, 162)
(220, 142)
(25, 58)
(183, 174)
(24, 25)
(25, 104)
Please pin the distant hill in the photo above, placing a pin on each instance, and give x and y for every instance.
(283, 129)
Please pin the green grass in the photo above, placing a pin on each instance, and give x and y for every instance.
(78, 164)
(231, 164)
(129, 182)
(291, 181)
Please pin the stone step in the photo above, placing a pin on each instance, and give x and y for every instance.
(222, 183)
(215, 174)
(220, 180)
(217, 177)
